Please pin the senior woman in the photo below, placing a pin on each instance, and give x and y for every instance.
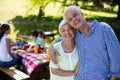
(67, 66)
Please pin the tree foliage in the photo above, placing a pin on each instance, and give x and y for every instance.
(41, 4)
(97, 3)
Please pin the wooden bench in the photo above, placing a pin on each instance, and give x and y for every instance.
(50, 33)
(14, 73)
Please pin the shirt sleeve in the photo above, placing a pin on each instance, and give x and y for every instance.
(113, 48)
(41, 44)
(39, 41)
(59, 39)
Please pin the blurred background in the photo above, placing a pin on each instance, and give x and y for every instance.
(26, 15)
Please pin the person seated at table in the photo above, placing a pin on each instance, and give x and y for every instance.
(7, 58)
(20, 42)
(35, 36)
(42, 35)
(67, 66)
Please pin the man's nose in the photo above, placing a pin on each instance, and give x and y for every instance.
(73, 19)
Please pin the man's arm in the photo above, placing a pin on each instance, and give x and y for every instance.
(52, 51)
(113, 49)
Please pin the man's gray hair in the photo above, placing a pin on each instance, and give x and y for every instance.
(61, 24)
(72, 7)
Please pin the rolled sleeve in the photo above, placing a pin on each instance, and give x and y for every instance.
(113, 48)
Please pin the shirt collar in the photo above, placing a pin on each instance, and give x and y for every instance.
(94, 24)
(92, 28)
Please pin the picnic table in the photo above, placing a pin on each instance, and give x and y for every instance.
(50, 33)
(35, 67)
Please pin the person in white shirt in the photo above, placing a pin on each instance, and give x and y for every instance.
(67, 66)
(7, 58)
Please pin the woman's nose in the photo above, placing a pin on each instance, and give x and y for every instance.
(67, 31)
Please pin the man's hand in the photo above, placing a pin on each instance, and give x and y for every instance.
(53, 53)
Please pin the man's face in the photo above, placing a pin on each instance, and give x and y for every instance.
(74, 18)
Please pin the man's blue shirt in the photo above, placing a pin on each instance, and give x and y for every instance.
(97, 50)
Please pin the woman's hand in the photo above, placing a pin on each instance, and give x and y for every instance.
(76, 68)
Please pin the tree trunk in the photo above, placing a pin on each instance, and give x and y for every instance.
(98, 3)
(118, 14)
(41, 13)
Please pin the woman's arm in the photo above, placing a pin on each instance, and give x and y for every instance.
(8, 44)
(62, 72)
(25, 37)
(65, 72)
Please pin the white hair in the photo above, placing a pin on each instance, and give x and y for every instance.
(61, 24)
(72, 7)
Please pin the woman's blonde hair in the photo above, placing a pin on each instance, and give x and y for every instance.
(61, 24)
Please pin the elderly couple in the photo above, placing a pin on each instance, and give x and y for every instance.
(86, 51)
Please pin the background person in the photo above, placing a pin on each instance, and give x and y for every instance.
(7, 58)
(35, 36)
(42, 35)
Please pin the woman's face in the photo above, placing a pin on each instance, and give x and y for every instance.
(8, 31)
(67, 32)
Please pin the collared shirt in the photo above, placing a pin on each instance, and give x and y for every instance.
(96, 51)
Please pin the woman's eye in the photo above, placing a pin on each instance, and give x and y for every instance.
(62, 30)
